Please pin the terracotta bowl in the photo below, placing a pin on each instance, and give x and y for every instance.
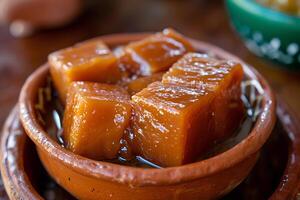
(89, 179)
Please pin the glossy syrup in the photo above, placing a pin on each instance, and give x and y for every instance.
(52, 114)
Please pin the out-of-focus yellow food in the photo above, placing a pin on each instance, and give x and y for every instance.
(287, 6)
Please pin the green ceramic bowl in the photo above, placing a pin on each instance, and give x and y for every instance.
(267, 33)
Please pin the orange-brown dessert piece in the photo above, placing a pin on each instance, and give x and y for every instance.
(138, 84)
(87, 61)
(196, 70)
(197, 103)
(171, 123)
(95, 119)
(155, 53)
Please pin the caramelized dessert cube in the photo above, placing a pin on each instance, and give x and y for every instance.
(138, 84)
(95, 119)
(172, 123)
(224, 78)
(88, 61)
(155, 53)
(196, 104)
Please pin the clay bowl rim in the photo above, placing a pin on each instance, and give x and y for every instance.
(141, 176)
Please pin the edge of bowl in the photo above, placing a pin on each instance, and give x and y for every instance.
(12, 170)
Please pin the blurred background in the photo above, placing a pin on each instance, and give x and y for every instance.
(31, 29)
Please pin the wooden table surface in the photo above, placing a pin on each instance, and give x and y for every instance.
(199, 19)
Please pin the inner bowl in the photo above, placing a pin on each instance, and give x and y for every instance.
(90, 179)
